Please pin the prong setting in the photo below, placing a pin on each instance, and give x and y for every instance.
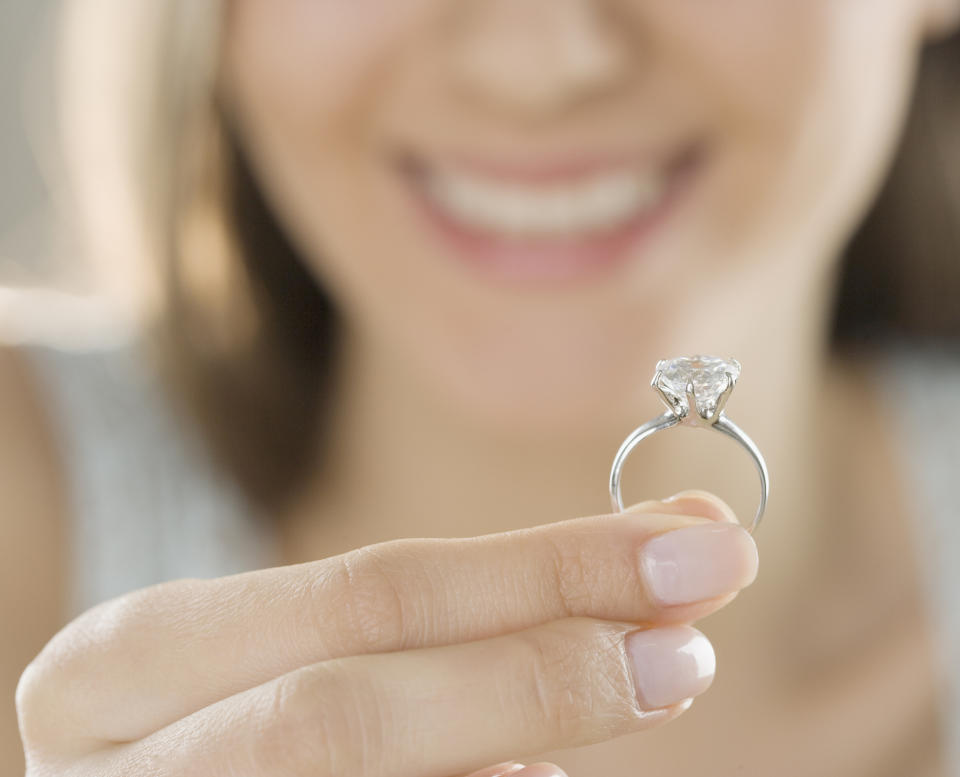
(692, 410)
(672, 403)
(722, 398)
(696, 388)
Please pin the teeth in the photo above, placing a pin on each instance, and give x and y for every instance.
(595, 204)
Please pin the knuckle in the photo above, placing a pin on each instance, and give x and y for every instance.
(577, 583)
(323, 722)
(574, 681)
(378, 590)
(587, 579)
(293, 737)
(557, 702)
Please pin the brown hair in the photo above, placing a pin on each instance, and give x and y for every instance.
(248, 337)
(901, 273)
(254, 366)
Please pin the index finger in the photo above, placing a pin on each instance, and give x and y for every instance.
(174, 648)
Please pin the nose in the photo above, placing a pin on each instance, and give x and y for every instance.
(537, 56)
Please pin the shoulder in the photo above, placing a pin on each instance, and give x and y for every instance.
(31, 473)
(916, 388)
(33, 536)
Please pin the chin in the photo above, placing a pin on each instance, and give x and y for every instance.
(559, 394)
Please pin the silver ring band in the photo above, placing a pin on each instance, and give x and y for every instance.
(680, 413)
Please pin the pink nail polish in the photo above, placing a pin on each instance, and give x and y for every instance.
(670, 664)
(698, 562)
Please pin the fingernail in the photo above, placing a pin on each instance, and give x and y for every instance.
(698, 562)
(540, 769)
(670, 664)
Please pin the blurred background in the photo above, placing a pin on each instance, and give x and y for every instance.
(23, 196)
(43, 294)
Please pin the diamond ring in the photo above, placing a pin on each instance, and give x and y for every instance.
(695, 390)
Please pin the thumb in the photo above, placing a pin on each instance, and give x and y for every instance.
(694, 502)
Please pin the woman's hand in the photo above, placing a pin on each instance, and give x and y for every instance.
(408, 658)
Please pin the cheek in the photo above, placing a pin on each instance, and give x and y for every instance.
(805, 99)
(281, 54)
(758, 66)
(744, 53)
(298, 77)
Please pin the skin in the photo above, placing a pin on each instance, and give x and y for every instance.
(797, 106)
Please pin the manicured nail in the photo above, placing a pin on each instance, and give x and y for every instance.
(698, 562)
(670, 664)
(540, 769)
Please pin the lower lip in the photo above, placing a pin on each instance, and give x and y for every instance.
(556, 259)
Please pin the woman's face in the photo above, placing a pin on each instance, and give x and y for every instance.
(528, 202)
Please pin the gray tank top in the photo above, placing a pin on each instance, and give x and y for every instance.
(150, 506)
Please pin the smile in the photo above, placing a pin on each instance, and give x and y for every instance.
(547, 221)
(598, 203)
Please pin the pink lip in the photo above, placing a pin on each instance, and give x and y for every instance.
(554, 259)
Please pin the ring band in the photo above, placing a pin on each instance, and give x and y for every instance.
(695, 389)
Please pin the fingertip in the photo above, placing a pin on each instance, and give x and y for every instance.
(670, 664)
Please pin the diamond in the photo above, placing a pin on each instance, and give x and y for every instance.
(708, 374)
